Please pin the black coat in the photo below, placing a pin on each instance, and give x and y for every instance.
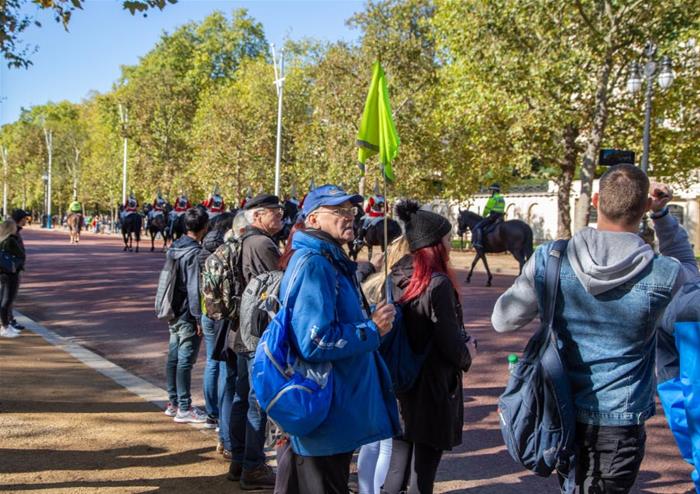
(433, 410)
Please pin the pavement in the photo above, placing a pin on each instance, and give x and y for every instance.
(65, 427)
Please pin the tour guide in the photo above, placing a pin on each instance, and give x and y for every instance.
(493, 212)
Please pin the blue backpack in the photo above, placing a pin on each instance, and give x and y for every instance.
(403, 363)
(294, 393)
(538, 419)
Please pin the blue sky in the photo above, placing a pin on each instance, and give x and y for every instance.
(102, 37)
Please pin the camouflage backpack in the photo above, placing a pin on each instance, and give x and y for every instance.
(222, 281)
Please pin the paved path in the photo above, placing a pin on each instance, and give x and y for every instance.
(103, 298)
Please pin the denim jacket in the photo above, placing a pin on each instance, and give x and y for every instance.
(608, 340)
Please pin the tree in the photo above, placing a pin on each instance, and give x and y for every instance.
(13, 22)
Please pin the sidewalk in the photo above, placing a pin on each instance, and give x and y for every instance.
(65, 428)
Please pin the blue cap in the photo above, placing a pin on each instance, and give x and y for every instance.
(328, 195)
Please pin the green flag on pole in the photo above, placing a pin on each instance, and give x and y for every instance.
(377, 133)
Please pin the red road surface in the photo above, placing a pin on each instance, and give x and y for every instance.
(103, 299)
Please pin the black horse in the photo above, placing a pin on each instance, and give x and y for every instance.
(131, 227)
(374, 235)
(512, 236)
(159, 224)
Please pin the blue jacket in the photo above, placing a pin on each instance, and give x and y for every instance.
(608, 340)
(330, 324)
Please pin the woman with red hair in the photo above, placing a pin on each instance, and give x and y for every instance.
(433, 409)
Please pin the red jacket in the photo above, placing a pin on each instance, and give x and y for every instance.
(375, 206)
(179, 209)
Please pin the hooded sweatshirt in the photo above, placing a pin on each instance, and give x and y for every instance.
(601, 260)
(186, 297)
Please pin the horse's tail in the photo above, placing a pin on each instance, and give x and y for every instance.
(528, 249)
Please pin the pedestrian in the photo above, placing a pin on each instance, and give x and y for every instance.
(612, 289)
(20, 217)
(214, 370)
(9, 280)
(259, 254)
(185, 328)
(433, 408)
(332, 325)
(374, 458)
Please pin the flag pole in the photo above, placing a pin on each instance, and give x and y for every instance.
(386, 234)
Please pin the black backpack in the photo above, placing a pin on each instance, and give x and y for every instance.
(538, 418)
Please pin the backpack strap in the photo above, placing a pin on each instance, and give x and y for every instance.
(551, 284)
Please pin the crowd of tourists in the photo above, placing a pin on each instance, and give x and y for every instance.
(336, 317)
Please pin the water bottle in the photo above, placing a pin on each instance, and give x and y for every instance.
(512, 362)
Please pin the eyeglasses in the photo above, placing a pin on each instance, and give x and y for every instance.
(275, 211)
(342, 212)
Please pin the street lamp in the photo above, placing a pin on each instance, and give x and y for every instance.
(124, 119)
(45, 178)
(635, 81)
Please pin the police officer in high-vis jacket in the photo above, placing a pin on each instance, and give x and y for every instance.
(493, 212)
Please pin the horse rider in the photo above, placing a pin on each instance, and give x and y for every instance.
(75, 207)
(248, 197)
(374, 213)
(493, 213)
(130, 207)
(158, 207)
(215, 204)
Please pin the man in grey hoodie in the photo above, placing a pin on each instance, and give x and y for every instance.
(613, 288)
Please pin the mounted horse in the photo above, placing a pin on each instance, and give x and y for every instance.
(75, 225)
(131, 228)
(512, 236)
(373, 235)
(158, 224)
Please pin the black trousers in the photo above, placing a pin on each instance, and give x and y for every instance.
(608, 458)
(9, 284)
(323, 474)
(413, 467)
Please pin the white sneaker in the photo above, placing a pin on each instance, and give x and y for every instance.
(13, 328)
(193, 415)
(8, 332)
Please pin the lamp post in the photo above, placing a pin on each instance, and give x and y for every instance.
(45, 178)
(664, 77)
(279, 84)
(124, 119)
(48, 135)
(4, 180)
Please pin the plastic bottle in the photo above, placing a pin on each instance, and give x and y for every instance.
(512, 362)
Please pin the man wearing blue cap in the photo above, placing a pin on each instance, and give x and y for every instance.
(332, 324)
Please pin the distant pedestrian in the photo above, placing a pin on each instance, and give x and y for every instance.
(9, 276)
(433, 408)
(612, 290)
(185, 328)
(21, 217)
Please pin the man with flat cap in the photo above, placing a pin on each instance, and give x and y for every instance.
(259, 254)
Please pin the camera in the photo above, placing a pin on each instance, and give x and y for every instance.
(612, 157)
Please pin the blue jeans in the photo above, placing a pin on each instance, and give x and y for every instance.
(248, 421)
(182, 355)
(214, 371)
(227, 390)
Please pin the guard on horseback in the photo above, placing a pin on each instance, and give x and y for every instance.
(374, 213)
(157, 208)
(215, 204)
(493, 213)
(130, 207)
(248, 197)
(75, 207)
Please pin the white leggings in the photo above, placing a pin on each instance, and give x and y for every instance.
(373, 465)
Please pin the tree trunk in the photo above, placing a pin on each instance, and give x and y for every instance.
(600, 118)
(564, 180)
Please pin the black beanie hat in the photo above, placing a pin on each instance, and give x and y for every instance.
(423, 228)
